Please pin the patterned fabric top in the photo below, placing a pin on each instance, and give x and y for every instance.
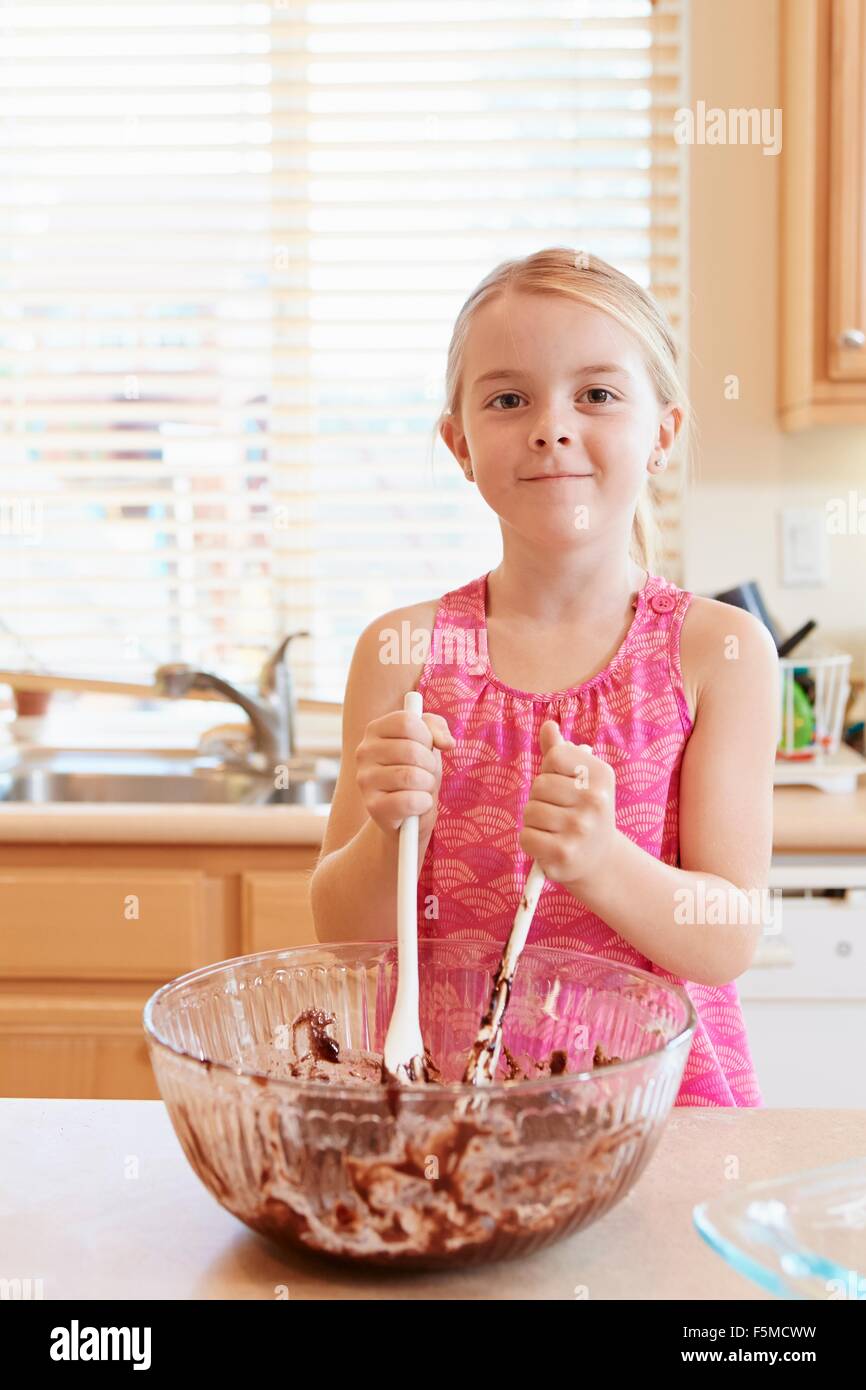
(635, 717)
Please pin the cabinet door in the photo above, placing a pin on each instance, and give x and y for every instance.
(820, 953)
(846, 320)
(803, 1050)
(822, 244)
(62, 1040)
(276, 911)
(123, 924)
(804, 1005)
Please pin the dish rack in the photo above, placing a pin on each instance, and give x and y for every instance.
(813, 693)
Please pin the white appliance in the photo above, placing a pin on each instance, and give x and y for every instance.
(804, 996)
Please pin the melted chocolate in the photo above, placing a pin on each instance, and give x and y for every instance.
(320, 1046)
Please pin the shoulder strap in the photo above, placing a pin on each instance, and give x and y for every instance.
(458, 638)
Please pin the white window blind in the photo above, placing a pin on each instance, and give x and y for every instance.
(234, 241)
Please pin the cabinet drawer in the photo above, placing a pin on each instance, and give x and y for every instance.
(804, 1051)
(276, 911)
(820, 953)
(75, 1040)
(98, 923)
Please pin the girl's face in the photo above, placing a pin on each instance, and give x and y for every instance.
(559, 418)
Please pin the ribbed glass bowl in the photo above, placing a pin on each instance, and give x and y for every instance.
(414, 1176)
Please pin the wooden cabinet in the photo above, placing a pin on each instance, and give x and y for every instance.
(88, 932)
(118, 924)
(276, 911)
(74, 1040)
(822, 378)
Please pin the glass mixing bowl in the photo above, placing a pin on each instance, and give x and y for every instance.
(419, 1176)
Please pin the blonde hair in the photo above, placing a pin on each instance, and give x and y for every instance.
(586, 278)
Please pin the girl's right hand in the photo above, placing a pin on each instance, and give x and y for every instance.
(399, 769)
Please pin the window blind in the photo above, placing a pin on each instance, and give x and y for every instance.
(234, 242)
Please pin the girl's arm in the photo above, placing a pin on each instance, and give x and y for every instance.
(701, 921)
(353, 889)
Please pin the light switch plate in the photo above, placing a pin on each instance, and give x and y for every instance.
(804, 547)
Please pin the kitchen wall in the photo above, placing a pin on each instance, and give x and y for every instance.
(745, 468)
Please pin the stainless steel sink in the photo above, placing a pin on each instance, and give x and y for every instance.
(42, 777)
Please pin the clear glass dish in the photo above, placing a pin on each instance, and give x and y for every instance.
(404, 1176)
(801, 1236)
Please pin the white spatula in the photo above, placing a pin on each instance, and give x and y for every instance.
(481, 1067)
(403, 1053)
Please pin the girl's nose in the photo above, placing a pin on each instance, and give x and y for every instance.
(545, 438)
(551, 426)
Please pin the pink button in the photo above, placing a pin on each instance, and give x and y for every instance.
(662, 603)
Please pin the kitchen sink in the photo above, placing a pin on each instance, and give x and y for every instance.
(44, 776)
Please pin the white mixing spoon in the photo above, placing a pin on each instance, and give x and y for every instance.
(403, 1053)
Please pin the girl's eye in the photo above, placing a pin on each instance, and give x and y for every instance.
(503, 395)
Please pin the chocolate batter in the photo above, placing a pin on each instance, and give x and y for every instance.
(412, 1182)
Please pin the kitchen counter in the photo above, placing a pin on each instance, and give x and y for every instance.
(811, 820)
(141, 823)
(805, 819)
(98, 1201)
(174, 730)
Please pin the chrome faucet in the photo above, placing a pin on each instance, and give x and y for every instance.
(272, 712)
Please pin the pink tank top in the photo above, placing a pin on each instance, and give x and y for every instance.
(634, 715)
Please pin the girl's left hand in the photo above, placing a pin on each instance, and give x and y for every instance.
(569, 824)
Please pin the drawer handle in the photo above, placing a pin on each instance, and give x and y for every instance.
(852, 338)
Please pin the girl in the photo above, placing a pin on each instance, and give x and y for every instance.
(579, 709)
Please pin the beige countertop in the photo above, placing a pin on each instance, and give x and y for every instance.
(104, 724)
(811, 820)
(805, 820)
(98, 1201)
(190, 824)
